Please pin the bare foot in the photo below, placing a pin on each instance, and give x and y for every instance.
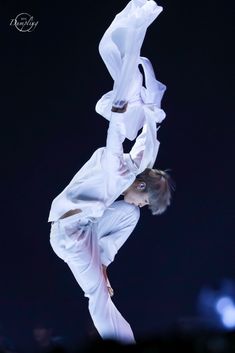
(110, 289)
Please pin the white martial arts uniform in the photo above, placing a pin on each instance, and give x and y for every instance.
(92, 237)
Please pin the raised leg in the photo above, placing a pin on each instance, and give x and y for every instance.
(121, 44)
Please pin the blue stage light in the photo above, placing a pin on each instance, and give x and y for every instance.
(217, 305)
(223, 303)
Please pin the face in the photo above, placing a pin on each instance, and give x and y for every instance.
(135, 196)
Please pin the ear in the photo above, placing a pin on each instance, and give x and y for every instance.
(141, 185)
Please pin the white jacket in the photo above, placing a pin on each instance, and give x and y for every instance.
(110, 171)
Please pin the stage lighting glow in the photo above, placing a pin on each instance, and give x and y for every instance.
(223, 303)
(217, 304)
(226, 309)
(228, 317)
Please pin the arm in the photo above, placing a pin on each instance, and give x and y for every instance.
(145, 149)
(137, 150)
(113, 155)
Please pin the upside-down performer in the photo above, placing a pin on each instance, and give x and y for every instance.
(88, 225)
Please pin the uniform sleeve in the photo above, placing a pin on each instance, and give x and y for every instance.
(113, 160)
(145, 149)
(138, 149)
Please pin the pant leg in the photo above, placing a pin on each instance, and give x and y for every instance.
(121, 44)
(110, 51)
(120, 50)
(114, 228)
(78, 246)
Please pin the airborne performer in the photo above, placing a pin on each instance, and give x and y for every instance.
(88, 225)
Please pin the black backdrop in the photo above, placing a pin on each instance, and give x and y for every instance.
(51, 79)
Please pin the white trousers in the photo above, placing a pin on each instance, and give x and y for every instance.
(85, 247)
(121, 44)
(120, 49)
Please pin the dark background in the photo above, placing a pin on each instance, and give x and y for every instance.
(51, 80)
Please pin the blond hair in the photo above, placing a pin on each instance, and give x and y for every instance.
(159, 186)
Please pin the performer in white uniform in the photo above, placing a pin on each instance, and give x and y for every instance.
(88, 225)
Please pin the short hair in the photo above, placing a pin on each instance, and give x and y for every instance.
(159, 186)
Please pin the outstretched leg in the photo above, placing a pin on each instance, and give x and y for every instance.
(77, 245)
(121, 44)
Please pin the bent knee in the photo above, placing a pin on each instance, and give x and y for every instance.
(134, 213)
(132, 209)
(103, 46)
(128, 210)
(57, 242)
